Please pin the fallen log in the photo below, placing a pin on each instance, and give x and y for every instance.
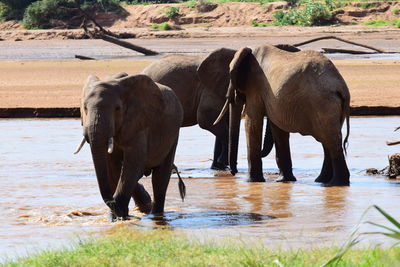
(125, 44)
(339, 39)
(84, 57)
(392, 143)
(345, 51)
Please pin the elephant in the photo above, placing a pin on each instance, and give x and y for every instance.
(300, 92)
(201, 102)
(121, 119)
(201, 86)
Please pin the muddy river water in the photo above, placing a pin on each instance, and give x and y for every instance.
(49, 196)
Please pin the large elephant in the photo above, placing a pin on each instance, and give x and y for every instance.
(201, 102)
(121, 120)
(299, 92)
(201, 86)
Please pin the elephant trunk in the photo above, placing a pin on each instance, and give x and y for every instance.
(99, 136)
(235, 115)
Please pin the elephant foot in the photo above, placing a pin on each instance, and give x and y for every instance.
(114, 218)
(286, 179)
(322, 179)
(336, 183)
(256, 179)
(219, 166)
(145, 208)
(233, 170)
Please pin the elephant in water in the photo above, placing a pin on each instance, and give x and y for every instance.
(201, 102)
(299, 92)
(121, 120)
(201, 86)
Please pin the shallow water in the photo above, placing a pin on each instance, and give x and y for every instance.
(50, 196)
(98, 49)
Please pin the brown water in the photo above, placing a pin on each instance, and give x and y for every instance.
(50, 196)
(98, 49)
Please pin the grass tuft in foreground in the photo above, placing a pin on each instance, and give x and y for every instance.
(126, 247)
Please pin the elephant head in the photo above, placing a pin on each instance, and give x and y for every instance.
(214, 74)
(113, 112)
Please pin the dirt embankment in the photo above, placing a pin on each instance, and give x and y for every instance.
(137, 19)
(53, 88)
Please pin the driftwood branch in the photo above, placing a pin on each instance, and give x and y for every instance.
(339, 39)
(393, 143)
(83, 57)
(345, 51)
(98, 34)
(89, 17)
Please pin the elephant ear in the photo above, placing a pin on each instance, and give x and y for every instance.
(214, 69)
(87, 88)
(239, 70)
(143, 99)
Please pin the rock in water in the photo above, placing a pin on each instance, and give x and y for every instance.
(394, 165)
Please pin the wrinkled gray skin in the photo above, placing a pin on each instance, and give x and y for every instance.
(201, 84)
(131, 110)
(299, 92)
(201, 102)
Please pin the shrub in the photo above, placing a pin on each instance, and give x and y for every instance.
(45, 13)
(161, 27)
(396, 11)
(255, 23)
(13, 9)
(172, 12)
(312, 13)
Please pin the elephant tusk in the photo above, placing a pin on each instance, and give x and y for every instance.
(80, 146)
(110, 145)
(223, 111)
(392, 143)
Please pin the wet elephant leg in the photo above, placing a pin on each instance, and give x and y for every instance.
(326, 171)
(114, 162)
(341, 174)
(254, 126)
(220, 160)
(142, 198)
(160, 180)
(283, 158)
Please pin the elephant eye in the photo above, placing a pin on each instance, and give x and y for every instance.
(118, 108)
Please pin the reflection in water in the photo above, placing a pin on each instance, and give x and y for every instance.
(202, 220)
(48, 194)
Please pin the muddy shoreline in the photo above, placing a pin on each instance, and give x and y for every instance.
(20, 113)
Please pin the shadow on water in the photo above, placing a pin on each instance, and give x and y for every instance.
(201, 220)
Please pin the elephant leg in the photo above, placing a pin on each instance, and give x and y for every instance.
(341, 174)
(283, 158)
(327, 171)
(160, 180)
(220, 161)
(142, 198)
(132, 171)
(254, 126)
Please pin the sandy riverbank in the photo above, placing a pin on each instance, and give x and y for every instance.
(57, 84)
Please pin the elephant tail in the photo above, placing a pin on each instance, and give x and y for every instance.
(346, 139)
(268, 140)
(181, 184)
(346, 116)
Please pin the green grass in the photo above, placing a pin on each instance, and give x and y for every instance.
(172, 12)
(161, 27)
(255, 23)
(381, 22)
(125, 247)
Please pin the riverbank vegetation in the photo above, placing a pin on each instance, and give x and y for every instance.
(127, 247)
(42, 14)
